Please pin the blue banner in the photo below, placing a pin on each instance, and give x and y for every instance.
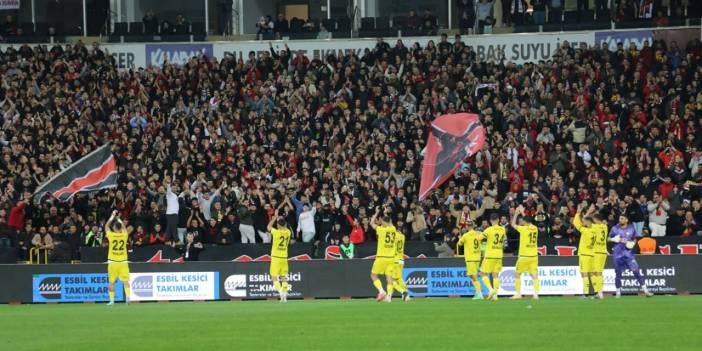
(175, 53)
(77, 287)
(443, 281)
(625, 37)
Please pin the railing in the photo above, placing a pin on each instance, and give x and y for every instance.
(36, 252)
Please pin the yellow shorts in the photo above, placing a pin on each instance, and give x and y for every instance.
(396, 271)
(585, 263)
(527, 265)
(117, 270)
(472, 267)
(279, 267)
(383, 265)
(598, 263)
(491, 265)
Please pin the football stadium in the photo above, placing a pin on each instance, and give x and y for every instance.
(350, 174)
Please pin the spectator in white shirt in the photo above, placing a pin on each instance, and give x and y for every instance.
(305, 223)
(172, 209)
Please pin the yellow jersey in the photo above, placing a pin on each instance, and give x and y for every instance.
(495, 236)
(400, 246)
(528, 235)
(471, 245)
(600, 231)
(281, 240)
(586, 244)
(117, 249)
(386, 241)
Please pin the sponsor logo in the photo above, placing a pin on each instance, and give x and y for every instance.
(143, 286)
(507, 279)
(180, 54)
(50, 288)
(77, 287)
(636, 37)
(435, 281)
(261, 285)
(417, 282)
(175, 286)
(235, 285)
(658, 280)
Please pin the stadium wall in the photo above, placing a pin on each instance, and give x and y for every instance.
(518, 48)
(673, 274)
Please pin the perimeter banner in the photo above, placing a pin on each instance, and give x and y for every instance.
(664, 274)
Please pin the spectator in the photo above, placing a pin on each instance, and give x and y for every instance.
(305, 224)
(413, 20)
(246, 228)
(555, 11)
(150, 22)
(181, 25)
(539, 12)
(265, 28)
(172, 210)
(323, 32)
(647, 245)
(347, 248)
(157, 236)
(444, 249)
(281, 26)
(658, 215)
(517, 12)
(42, 239)
(9, 27)
(466, 16)
(484, 10)
(192, 248)
(429, 24)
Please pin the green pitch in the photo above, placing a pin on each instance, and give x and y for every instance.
(630, 323)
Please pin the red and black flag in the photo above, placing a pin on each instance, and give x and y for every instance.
(453, 138)
(95, 171)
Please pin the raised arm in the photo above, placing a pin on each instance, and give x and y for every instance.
(108, 224)
(273, 219)
(518, 211)
(374, 218)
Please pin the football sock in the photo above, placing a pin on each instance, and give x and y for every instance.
(536, 286)
(496, 282)
(112, 295)
(597, 283)
(378, 285)
(586, 285)
(476, 285)
(284, 287)
(400, 285)
(127, 292)
(276, 284)
(391, 289)
(518, 284)
(486, 281)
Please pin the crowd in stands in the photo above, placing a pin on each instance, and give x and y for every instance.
(214, 147)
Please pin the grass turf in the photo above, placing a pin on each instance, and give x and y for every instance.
(662, 322)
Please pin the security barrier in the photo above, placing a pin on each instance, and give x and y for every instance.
(673, 274)
(36, 252)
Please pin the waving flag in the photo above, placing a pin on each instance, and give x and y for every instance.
(95, 171)
(453, 138)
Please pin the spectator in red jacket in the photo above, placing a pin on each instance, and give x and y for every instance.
(16, 218)
(157, 237)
